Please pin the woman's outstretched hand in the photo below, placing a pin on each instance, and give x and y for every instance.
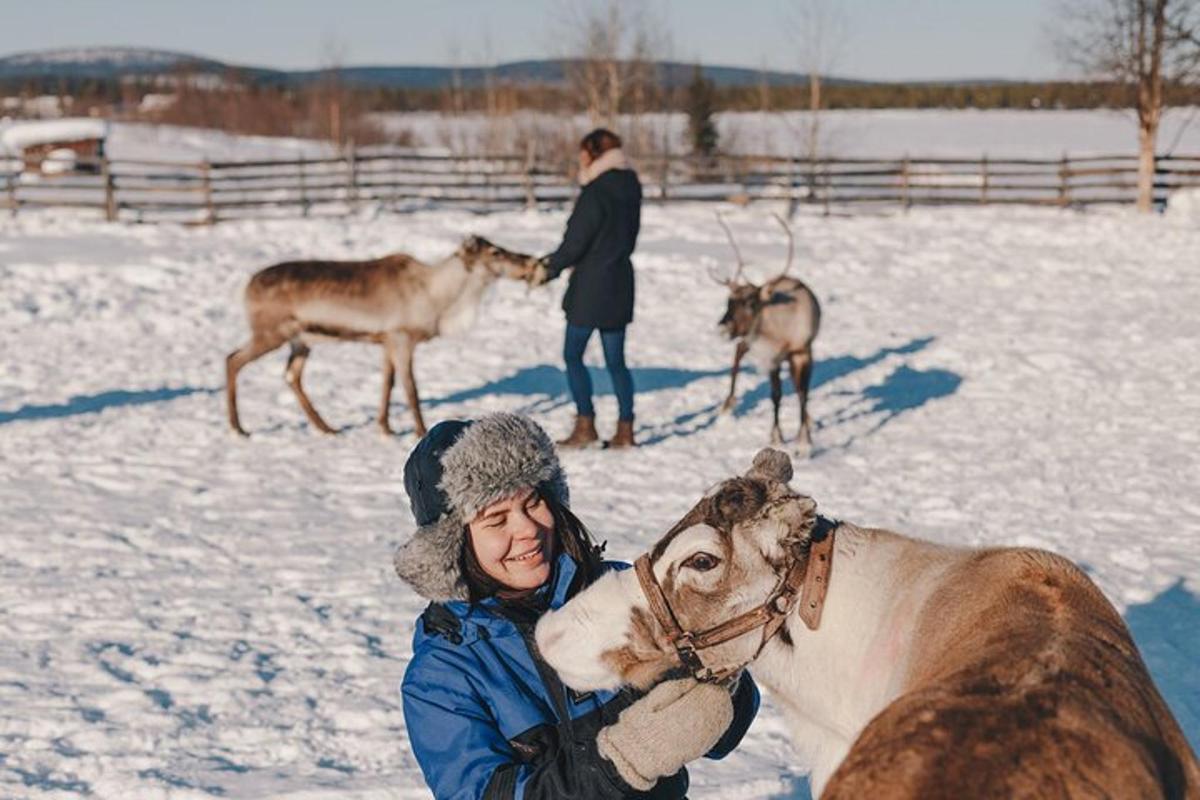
(677, 722)
(540, 274)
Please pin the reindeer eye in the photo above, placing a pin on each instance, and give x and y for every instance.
(702, 562)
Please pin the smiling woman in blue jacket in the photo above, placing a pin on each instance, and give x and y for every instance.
(497, 547)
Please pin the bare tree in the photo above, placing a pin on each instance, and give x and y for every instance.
(1143, 45)
(611, 58)
(818, 28)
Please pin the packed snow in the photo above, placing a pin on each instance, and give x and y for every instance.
(187, 614)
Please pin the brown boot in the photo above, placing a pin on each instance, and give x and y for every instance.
(623, 436)
(583, 434)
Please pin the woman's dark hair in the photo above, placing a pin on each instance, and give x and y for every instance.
(599, 141)
(571, 535)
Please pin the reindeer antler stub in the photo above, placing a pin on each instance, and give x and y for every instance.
(772, 465)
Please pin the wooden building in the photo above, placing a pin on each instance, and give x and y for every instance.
(52, 147)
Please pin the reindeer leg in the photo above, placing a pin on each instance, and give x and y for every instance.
(293, 374)
(389, 380)
(738, 353)
(258, 346)
(403, 347)
(776, 396)
(801, 366)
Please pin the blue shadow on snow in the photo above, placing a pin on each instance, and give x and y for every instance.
(93, 403)
(549, 383)
(828, 370)
(1165, 632)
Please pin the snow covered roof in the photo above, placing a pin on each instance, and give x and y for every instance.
(20, 135)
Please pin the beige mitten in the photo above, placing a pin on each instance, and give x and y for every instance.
(677, 722)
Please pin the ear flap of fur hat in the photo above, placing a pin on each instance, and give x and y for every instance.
(493, 458)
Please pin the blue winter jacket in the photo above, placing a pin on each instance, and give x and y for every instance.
(489, 720)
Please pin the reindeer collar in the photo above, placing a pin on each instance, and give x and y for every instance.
(805, 583)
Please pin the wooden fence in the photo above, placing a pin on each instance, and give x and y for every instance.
(206, 192)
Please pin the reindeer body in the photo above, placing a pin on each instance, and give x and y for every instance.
(396, 301)
(933, 672)
(773, 323)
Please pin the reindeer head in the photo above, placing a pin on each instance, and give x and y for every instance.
(744, 304)
(746, 300)
(724, 558)
(498, 261)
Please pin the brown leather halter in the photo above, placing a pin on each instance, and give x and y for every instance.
(804, 582)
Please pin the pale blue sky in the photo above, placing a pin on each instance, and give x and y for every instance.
(884, 39)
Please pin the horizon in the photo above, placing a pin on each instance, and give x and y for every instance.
(825, 75)
(888, 42)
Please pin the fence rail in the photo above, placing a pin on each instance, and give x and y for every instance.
(207, 192)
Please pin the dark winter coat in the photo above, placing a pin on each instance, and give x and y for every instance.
(600, 238)
(488, 718)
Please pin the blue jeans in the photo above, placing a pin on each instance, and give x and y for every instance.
(614, 358)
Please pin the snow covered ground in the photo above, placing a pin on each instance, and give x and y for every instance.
(185, 614)
(866, 133)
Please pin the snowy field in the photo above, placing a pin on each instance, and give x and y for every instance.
(848, 133)
(185, 614)
(876, 133)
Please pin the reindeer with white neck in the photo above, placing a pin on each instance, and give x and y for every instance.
(906, 669)
(774, 322)
(396, 301)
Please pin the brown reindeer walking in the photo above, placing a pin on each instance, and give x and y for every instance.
(774, 322)
(396, 301)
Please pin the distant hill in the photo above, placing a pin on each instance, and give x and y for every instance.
(114, 63)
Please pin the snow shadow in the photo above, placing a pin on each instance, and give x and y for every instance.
(1165, 632)
(899, 392)
(826, 371)
(93, 403)
(798, 789)
(548, 384)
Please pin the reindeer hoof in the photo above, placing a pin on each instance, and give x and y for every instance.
(776, 438)
(386, 430)
(727, 406)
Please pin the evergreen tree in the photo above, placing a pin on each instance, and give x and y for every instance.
(700, 105)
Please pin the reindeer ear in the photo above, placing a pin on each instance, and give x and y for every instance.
(771, 465)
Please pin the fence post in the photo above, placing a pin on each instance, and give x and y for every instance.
(303, 189)
(826, 198)
(110, 197)
(905, 197)
(665, 180)
(530, 164)
(210, 210)
(10, 180)
(983, 182)
(351, 178)
(394, 170)
(1064, 196)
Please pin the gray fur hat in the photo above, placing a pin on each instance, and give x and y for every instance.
(457, 469)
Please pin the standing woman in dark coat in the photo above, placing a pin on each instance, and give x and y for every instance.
(599, 240)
